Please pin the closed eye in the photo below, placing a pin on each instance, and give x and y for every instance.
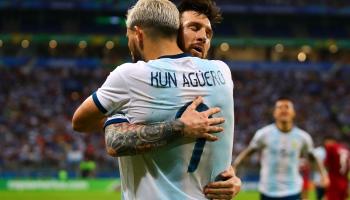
(194, 28)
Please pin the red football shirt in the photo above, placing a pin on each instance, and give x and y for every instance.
(338, 164)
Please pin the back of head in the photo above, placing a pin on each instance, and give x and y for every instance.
(205, 7)
(159, 18)
(331, 137)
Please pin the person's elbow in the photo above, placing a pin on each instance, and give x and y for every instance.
(77, 123)
(81, 122)
(87, 117)
(111, 151)
(87, 125)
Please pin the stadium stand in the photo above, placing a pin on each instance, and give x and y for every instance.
(52, 57)
(38, 104)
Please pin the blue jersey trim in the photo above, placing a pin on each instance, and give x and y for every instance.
(115, 121)
(98, 103)
(181, 55)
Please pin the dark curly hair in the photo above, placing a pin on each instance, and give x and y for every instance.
(206, 7)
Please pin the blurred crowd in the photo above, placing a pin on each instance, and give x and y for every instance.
(37, 106)
(35, 119)
(120, 3)
(297, 3)
(320, 99)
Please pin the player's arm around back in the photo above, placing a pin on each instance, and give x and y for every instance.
(88, 118)
(91, 114)
(123, 139)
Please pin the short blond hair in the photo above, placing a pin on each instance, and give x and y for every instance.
(162, 16)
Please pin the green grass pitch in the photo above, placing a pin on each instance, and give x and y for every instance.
(93, 195)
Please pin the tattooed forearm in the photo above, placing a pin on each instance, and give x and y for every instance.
(130, 139)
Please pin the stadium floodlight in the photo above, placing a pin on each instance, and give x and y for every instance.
(224, 47)
(333, 48)
(302, 56)
(25, 43)
(109, 44)
(82, 44)
(53, 44)
(306, 49)
(279, 48)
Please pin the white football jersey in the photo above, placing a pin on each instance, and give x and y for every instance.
(280, 156)
(156, 91)
(320, 154)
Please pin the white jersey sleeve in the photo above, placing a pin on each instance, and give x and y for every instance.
(258, 140)
(115, 119)
(308, 146)
(114, 93)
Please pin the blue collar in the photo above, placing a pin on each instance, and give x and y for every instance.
(181, 55)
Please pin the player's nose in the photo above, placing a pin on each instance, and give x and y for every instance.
(202, 36)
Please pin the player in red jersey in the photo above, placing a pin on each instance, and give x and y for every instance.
(305, 171)
(338, 164)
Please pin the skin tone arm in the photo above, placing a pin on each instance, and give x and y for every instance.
(320, 168)
(88, 118)
(243, 155)
(124, 139)
(226, 189)
(231, 184)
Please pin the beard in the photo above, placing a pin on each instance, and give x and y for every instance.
(195, 53)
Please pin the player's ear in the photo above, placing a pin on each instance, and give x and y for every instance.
(274, 113)
(293, 110)
(139, 35)
(294, 114)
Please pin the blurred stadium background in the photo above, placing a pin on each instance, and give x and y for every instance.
(54, 53)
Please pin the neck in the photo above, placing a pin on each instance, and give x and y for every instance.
(161, 47)
(284, 126)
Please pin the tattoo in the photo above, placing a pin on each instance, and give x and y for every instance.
(125, 139)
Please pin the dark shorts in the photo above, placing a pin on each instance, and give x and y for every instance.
(290, 197)
(320, 192)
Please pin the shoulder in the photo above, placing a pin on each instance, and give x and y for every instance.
(264, 130)
(223, 68)
(267, 128)
(220, 64)
(303, 134)
(320, 152)
(217, 63)
(128, 68)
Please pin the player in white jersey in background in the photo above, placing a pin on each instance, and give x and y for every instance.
(156, 91)
(281, 144)
(320, 154)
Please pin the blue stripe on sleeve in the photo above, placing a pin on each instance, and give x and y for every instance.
(98, 103)
(114, 121)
